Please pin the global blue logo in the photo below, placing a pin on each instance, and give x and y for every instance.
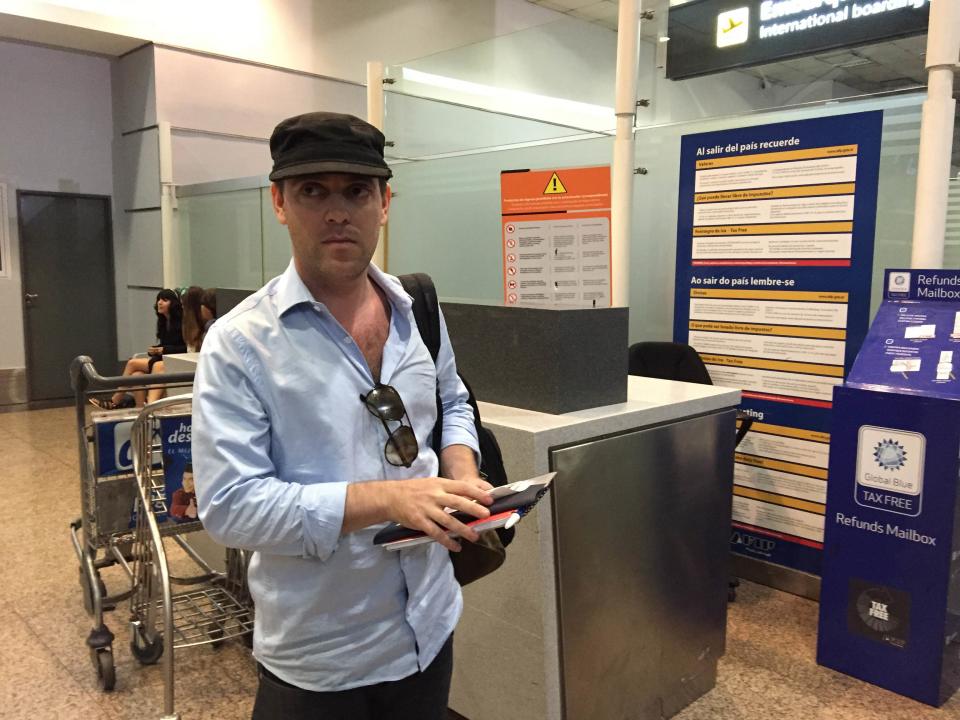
(890, 455)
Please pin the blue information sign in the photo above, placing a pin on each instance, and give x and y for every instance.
(774, 261)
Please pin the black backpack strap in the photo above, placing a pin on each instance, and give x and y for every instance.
(426, 309)
(426, 312)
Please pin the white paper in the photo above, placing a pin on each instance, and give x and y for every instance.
(905, 365)
(920, 332)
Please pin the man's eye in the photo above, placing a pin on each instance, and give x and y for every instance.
(360, 191)
(310, 190)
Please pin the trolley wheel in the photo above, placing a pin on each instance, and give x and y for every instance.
(88, 591)
(102, 659)
(145, 651)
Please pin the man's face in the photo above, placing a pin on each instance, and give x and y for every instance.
(334, 222)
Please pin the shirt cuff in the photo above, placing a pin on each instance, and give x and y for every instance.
(322, 506)
(459, 436)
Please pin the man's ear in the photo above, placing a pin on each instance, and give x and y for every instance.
(385, 208)
(276, 195)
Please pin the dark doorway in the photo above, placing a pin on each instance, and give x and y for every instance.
(66, 265)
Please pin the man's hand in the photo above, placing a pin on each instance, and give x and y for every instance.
(419, 504)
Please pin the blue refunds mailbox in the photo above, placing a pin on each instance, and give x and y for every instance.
(890, 594)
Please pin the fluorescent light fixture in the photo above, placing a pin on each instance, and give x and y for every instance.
(517, 97)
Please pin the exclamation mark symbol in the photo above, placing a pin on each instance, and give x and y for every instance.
(554, 186)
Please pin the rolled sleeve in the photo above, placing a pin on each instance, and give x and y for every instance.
(458, 422)
(241, 500)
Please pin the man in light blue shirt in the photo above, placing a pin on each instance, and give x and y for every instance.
(313, 404)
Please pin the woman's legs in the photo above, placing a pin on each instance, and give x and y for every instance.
(134, 366)
(154, 393)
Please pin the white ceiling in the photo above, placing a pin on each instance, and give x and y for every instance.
(41, 32)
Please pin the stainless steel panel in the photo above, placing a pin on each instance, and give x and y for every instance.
(642, 529)
(13, 386)
(776, 576)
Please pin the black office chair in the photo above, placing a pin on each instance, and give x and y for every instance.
(676, 361)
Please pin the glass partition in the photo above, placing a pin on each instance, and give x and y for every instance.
(276, 240)
(557, 72)
(445, 216)
(219, 239)
(419, 128)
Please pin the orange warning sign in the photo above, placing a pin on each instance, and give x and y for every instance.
(560, 190)
(556, 237)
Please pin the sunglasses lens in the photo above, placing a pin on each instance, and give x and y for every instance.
(385, 402)
(401, 447)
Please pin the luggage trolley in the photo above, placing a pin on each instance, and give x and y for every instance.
(106, 532)
(214, 606)
(103, 534)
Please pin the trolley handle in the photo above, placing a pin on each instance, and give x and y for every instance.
(84, 377)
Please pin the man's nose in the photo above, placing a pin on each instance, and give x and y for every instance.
(337, 209)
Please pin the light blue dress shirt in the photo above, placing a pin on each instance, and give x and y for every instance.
(279, 431)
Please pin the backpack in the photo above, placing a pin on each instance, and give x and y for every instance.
(426, 311)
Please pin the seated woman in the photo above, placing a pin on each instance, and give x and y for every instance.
(193, 333)
(169, 340)
(208, 308)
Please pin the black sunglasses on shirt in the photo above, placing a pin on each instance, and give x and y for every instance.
(384, 402)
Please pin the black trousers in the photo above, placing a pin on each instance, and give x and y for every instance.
(421, 696)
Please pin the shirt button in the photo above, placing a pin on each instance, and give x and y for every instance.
(347, 339)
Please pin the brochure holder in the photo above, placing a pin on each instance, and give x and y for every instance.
(890, 593)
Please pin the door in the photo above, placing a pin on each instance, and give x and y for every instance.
(66, 265)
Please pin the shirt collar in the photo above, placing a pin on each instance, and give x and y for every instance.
(291, 292)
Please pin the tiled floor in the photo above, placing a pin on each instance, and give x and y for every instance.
(45, 672)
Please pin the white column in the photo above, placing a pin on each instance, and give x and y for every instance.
(621, 175)
(168, 201)
(375, 93)
(936, 135)
(375, 118)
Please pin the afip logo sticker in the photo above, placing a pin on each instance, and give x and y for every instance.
(899, 282)
(733, 27)
(890, 470)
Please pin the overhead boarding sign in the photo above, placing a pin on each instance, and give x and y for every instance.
(708, 36)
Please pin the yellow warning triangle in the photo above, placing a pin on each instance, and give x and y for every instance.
(554, 187)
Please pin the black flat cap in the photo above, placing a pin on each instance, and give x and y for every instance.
(321, 142)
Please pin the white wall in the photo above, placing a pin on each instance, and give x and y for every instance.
(326, 37)
(55, 135)
(222, 118)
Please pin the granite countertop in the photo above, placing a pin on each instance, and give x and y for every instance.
(649, 402)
